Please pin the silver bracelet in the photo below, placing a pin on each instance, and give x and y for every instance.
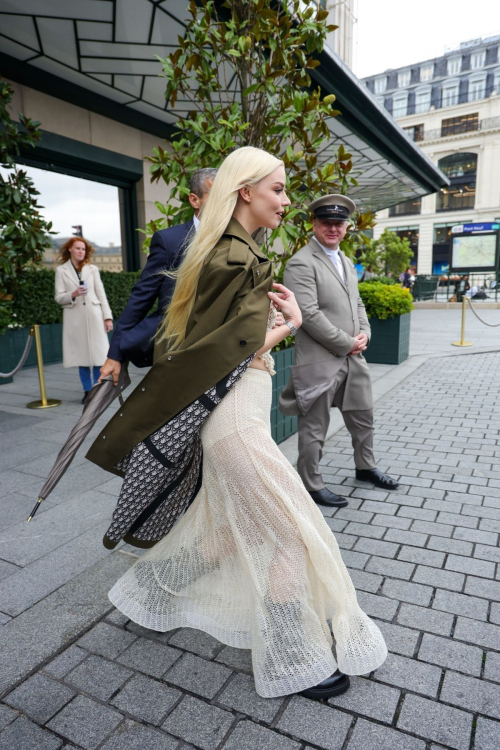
(291, 326)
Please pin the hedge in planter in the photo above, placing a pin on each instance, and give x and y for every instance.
(388, 308)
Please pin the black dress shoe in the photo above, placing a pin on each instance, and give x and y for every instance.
(326, 497)
(336, 684)
(85, 394)
(384, 481)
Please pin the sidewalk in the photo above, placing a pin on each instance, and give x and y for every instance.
(424, 559)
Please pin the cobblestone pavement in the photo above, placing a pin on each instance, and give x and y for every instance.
(424, 559)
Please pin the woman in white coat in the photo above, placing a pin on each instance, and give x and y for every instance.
(87, 316)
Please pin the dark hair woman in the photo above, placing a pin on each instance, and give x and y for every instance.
(87, 317)
(252, 561)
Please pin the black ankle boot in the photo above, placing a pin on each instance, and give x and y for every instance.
(336, 684)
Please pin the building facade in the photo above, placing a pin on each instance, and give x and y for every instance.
(342, 13)
(450, 106)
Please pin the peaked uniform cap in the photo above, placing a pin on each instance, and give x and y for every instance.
(333, 206)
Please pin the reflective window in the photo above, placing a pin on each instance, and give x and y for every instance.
(496, 81)
(477, 88)
(423, 101)
(400, 106)
(450, 96)
(380, 85)
(76, 206)
(461, 169)
(411, 234)
(454, 65)
(461, 124)
(416, 132)
(411, 206)
(427, 72)
(404, 78)
(477, 59)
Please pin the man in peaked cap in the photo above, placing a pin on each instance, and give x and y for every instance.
(329, 367)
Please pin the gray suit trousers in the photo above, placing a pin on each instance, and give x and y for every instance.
(313, 426)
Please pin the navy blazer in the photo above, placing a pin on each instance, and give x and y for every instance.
(133, 335)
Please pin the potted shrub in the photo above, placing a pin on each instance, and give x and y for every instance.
(388, 307)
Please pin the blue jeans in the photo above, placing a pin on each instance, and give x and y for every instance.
(86, 379)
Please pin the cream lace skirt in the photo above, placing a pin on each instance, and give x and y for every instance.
(252, 561)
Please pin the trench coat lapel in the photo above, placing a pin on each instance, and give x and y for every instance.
(70, 272)
(323, 257)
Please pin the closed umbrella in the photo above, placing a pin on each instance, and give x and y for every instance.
(98, 400)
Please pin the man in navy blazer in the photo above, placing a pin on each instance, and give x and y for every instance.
(133, 334)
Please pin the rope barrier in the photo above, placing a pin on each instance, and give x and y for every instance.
(22, 360)
(491, 325)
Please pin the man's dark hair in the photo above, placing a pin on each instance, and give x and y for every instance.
(198, 182)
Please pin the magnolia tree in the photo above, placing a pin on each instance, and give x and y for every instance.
(240, 77)
(24, 234)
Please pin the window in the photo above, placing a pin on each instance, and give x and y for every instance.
(411, 206)
(461, 170)
(380, 85)
(427, 72)
(496, 81)
(477, 88)
(380, 100)
(462, 124)
(411, 234)
(404, 78)
(450, 95)
(423, 100)
(477, 60)
(454, 65)
(400, 105)
(416, 132)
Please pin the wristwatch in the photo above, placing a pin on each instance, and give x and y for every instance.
(291, 326)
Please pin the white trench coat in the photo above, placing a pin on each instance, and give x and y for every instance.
(85, 342)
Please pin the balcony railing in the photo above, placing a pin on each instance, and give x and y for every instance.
(488, 123)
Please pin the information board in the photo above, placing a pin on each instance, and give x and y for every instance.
(474, 252)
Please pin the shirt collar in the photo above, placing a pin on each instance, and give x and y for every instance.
(329, 251)
(196, 222)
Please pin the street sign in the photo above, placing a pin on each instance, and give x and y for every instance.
(486, 227)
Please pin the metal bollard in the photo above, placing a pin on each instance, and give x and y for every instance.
(44, 403)
(462, 341)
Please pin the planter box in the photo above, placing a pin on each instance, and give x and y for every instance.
(281, 425)
(390, 341)
(12, 345)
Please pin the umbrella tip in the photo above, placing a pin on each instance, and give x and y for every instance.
(40, 499)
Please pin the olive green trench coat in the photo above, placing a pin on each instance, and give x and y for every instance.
(227, 324)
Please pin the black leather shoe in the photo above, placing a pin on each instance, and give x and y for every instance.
(326, 497)
(384, 481)
(85, 394)
(337, 684)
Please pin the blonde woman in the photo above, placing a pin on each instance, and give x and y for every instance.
(87, 316)
(251, 561)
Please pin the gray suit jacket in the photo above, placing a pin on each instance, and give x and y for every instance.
(332, 314)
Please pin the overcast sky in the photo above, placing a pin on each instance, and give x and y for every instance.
(393, 33)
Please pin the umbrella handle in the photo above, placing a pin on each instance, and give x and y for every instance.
(35, 508)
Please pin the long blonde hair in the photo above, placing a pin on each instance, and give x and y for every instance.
(245, 166)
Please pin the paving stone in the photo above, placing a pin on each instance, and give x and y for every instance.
(369, 698)
(470, 566)
(410, 674)
(7, 715)
(492, 667)
(422, 556)
(487, 734)
(436, 722)
(376, 547)
(377, 507)
(475, 535)
(406, 537)
(24, 735)
(85, 722)
(146, 699)
(451, 654)
(316, 723)
(365, 530)
(393, 568)
(456, 546)
(399, 640)
(240, 695)
(445, 579)
(446, 505)
(483, 587)
(348, 514)
(7, 569)
(39, 697)
(117, 618)
(198, 676)
(354, 559)
(197, 722)
(471, 694)
(370, 736)
(65, 662)
(425, 619)
(428, 527)
(457, 519)
(406, 591)
(392, 522)
(133, 736)
(345, 541)
(236, 658)
(480, 633)
(377, 606)
(150, 635)
(364, 581)
(460, 604)
(420, 514)
(106, 640)
(196, 641)
(250, 736)
(99, 677)
(486, 552)
(149, 657)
